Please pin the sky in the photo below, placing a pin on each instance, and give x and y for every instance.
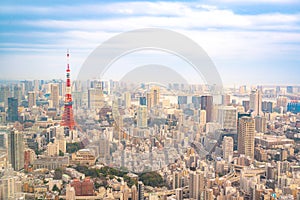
(249, 41)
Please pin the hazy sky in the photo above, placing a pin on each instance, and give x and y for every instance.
(250, 41)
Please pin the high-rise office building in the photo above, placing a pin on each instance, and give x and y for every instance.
(18, 93)
(31, 99)
(155, 96)
(227, 146)
(4, 94)
(226, 99)
(267, 106)
(55, 95)
(12, 111)
(149, 101)
(202, 117)
(10, 185)
(127, 99)
(140, 190)
(196, 100)
(142, 117)
(103, 147)
(260, 124)
(227, 116)
(179, 194)
(209, 194)
(134, 194)
(182, 100)
(3, 138)
(95, 99)
(143, 101)
(289, 89)
(36, 85)
(196, 185)
(177, 180)
(246, 133)
(256, 102)
(16, 149)
(207, 105)
(246, 105)
(242, 89)
(52, 149)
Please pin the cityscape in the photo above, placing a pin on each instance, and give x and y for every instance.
(142, 129)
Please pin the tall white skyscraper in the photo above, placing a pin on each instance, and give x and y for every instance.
(227, 146)
(256, 102)
(202, 117)
(127, 99)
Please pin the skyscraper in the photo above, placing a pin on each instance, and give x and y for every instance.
(95, 98)
(246, 105)
(179, 194)
(227, 116)
(31, 99)
(177, 180)
(196, 185)
(142, 117)
(256, 102)
(155, 95)
(36, 85)
(3, 138)
(18, 93)
(134, 194)
(55, 95)
(207, 104)
(246, 135)
(4, 94)
(143, 101)
(202, 117)
(226, 99)
(149, 101)
(155, 92)
(227, 146)
(260, 124)
(12, 111)
(267, 106)
(16, 149)
(127, 99)
(140, 190)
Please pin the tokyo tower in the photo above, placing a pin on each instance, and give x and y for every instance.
(67, 117)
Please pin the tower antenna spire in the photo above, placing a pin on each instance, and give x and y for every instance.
(68, 59)
(68, 118)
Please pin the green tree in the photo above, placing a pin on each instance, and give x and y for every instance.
(55, 188)
(152, 179)
(61, 153)
(73, 147)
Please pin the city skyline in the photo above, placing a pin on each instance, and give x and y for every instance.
(250, 43)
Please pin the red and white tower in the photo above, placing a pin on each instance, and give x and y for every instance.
(68, 118)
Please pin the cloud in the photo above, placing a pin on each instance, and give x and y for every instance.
(229, 37)
(258, 1)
